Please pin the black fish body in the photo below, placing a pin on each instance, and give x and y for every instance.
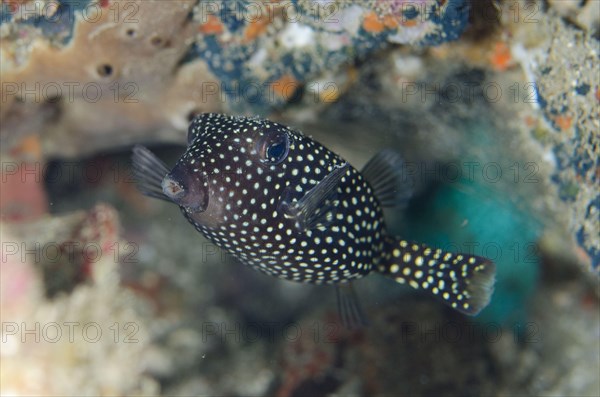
(284, 204)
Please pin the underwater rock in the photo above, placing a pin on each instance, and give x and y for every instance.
(53, 346)
(568, 89)
(21, 287)
(584, 14)
(22, 196)
(413, 347)
(101, 74)
(267, 51)
(114, 76)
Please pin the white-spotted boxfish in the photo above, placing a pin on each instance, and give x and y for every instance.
(284, 204)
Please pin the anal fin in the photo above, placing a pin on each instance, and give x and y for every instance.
(349, 308)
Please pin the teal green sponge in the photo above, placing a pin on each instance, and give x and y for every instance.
(471, 217)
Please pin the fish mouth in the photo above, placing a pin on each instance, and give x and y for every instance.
(186, 190)
(172, 188)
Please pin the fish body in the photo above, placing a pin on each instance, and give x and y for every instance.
(284, 204)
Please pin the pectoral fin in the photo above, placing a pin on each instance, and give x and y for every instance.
(149, 171)
(317, 206)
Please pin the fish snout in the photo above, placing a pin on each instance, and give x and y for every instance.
(172, 188)
(186, 189)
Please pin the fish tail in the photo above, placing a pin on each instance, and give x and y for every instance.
(149, 171)
(464, 282)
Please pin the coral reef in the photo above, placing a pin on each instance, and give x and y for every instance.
(568, 86)
(54, 346)
(268, 56)
(116, 73)
(88, 70)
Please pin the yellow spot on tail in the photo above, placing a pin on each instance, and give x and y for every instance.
(419, 260)
(395, 268)
(414, 284)
(406, 271)
(472, 261)
(403, 244)
(396, 253)
(407, 257)
(418, 274)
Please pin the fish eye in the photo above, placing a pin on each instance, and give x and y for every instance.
(276, 149)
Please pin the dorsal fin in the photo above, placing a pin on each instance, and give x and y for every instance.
(385, 173)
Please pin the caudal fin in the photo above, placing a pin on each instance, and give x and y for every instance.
(464, 282)
(149, 171)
